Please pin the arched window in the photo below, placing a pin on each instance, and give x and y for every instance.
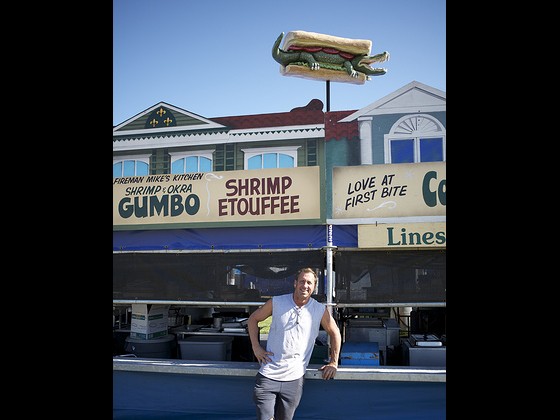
(131, 166)
(195, 161)
(270, 157)
(415, 138)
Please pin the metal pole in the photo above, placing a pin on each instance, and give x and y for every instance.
(329, 268)
(330, 278)
(328, 86)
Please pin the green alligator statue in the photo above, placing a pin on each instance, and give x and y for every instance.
(316, 57)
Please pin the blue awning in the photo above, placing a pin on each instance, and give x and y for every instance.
(216, 239)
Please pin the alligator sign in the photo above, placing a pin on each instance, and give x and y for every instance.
(325, 57)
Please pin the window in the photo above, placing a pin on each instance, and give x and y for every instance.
(196, 161)
(417, 138)
(270, 157)
(131, 166)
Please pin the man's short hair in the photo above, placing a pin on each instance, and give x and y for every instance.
(307, 270)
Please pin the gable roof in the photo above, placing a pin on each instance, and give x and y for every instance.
(164, 125)
(173, 125)
(411, 98)
(164, 118)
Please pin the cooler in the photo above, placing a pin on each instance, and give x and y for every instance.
(359, 353)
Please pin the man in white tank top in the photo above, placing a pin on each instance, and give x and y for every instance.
(296, 320)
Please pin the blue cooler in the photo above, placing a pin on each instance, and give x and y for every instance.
(359, 353)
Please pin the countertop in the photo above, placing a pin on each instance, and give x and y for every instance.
(227, 368)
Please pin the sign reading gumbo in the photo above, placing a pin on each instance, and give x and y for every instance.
(229, 196)
(394, 190)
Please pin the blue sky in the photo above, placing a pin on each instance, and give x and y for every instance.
(213, 58)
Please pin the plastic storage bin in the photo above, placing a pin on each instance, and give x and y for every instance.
(159, 348)
(205, 347)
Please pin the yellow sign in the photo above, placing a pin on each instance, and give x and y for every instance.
(231, 196)
(396, 190)
(403, 235)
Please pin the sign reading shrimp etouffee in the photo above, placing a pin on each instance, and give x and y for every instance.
(393, 190)
(208, 197)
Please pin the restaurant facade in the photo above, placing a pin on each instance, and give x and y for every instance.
(213, 216)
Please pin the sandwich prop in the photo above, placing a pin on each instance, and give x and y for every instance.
(325, 57)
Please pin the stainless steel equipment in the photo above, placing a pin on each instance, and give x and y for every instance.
(425, 340)
(424, 350)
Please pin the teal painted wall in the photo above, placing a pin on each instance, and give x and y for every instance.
(339, 153)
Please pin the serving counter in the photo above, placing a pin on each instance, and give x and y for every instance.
(228, 368)
(142, 387)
